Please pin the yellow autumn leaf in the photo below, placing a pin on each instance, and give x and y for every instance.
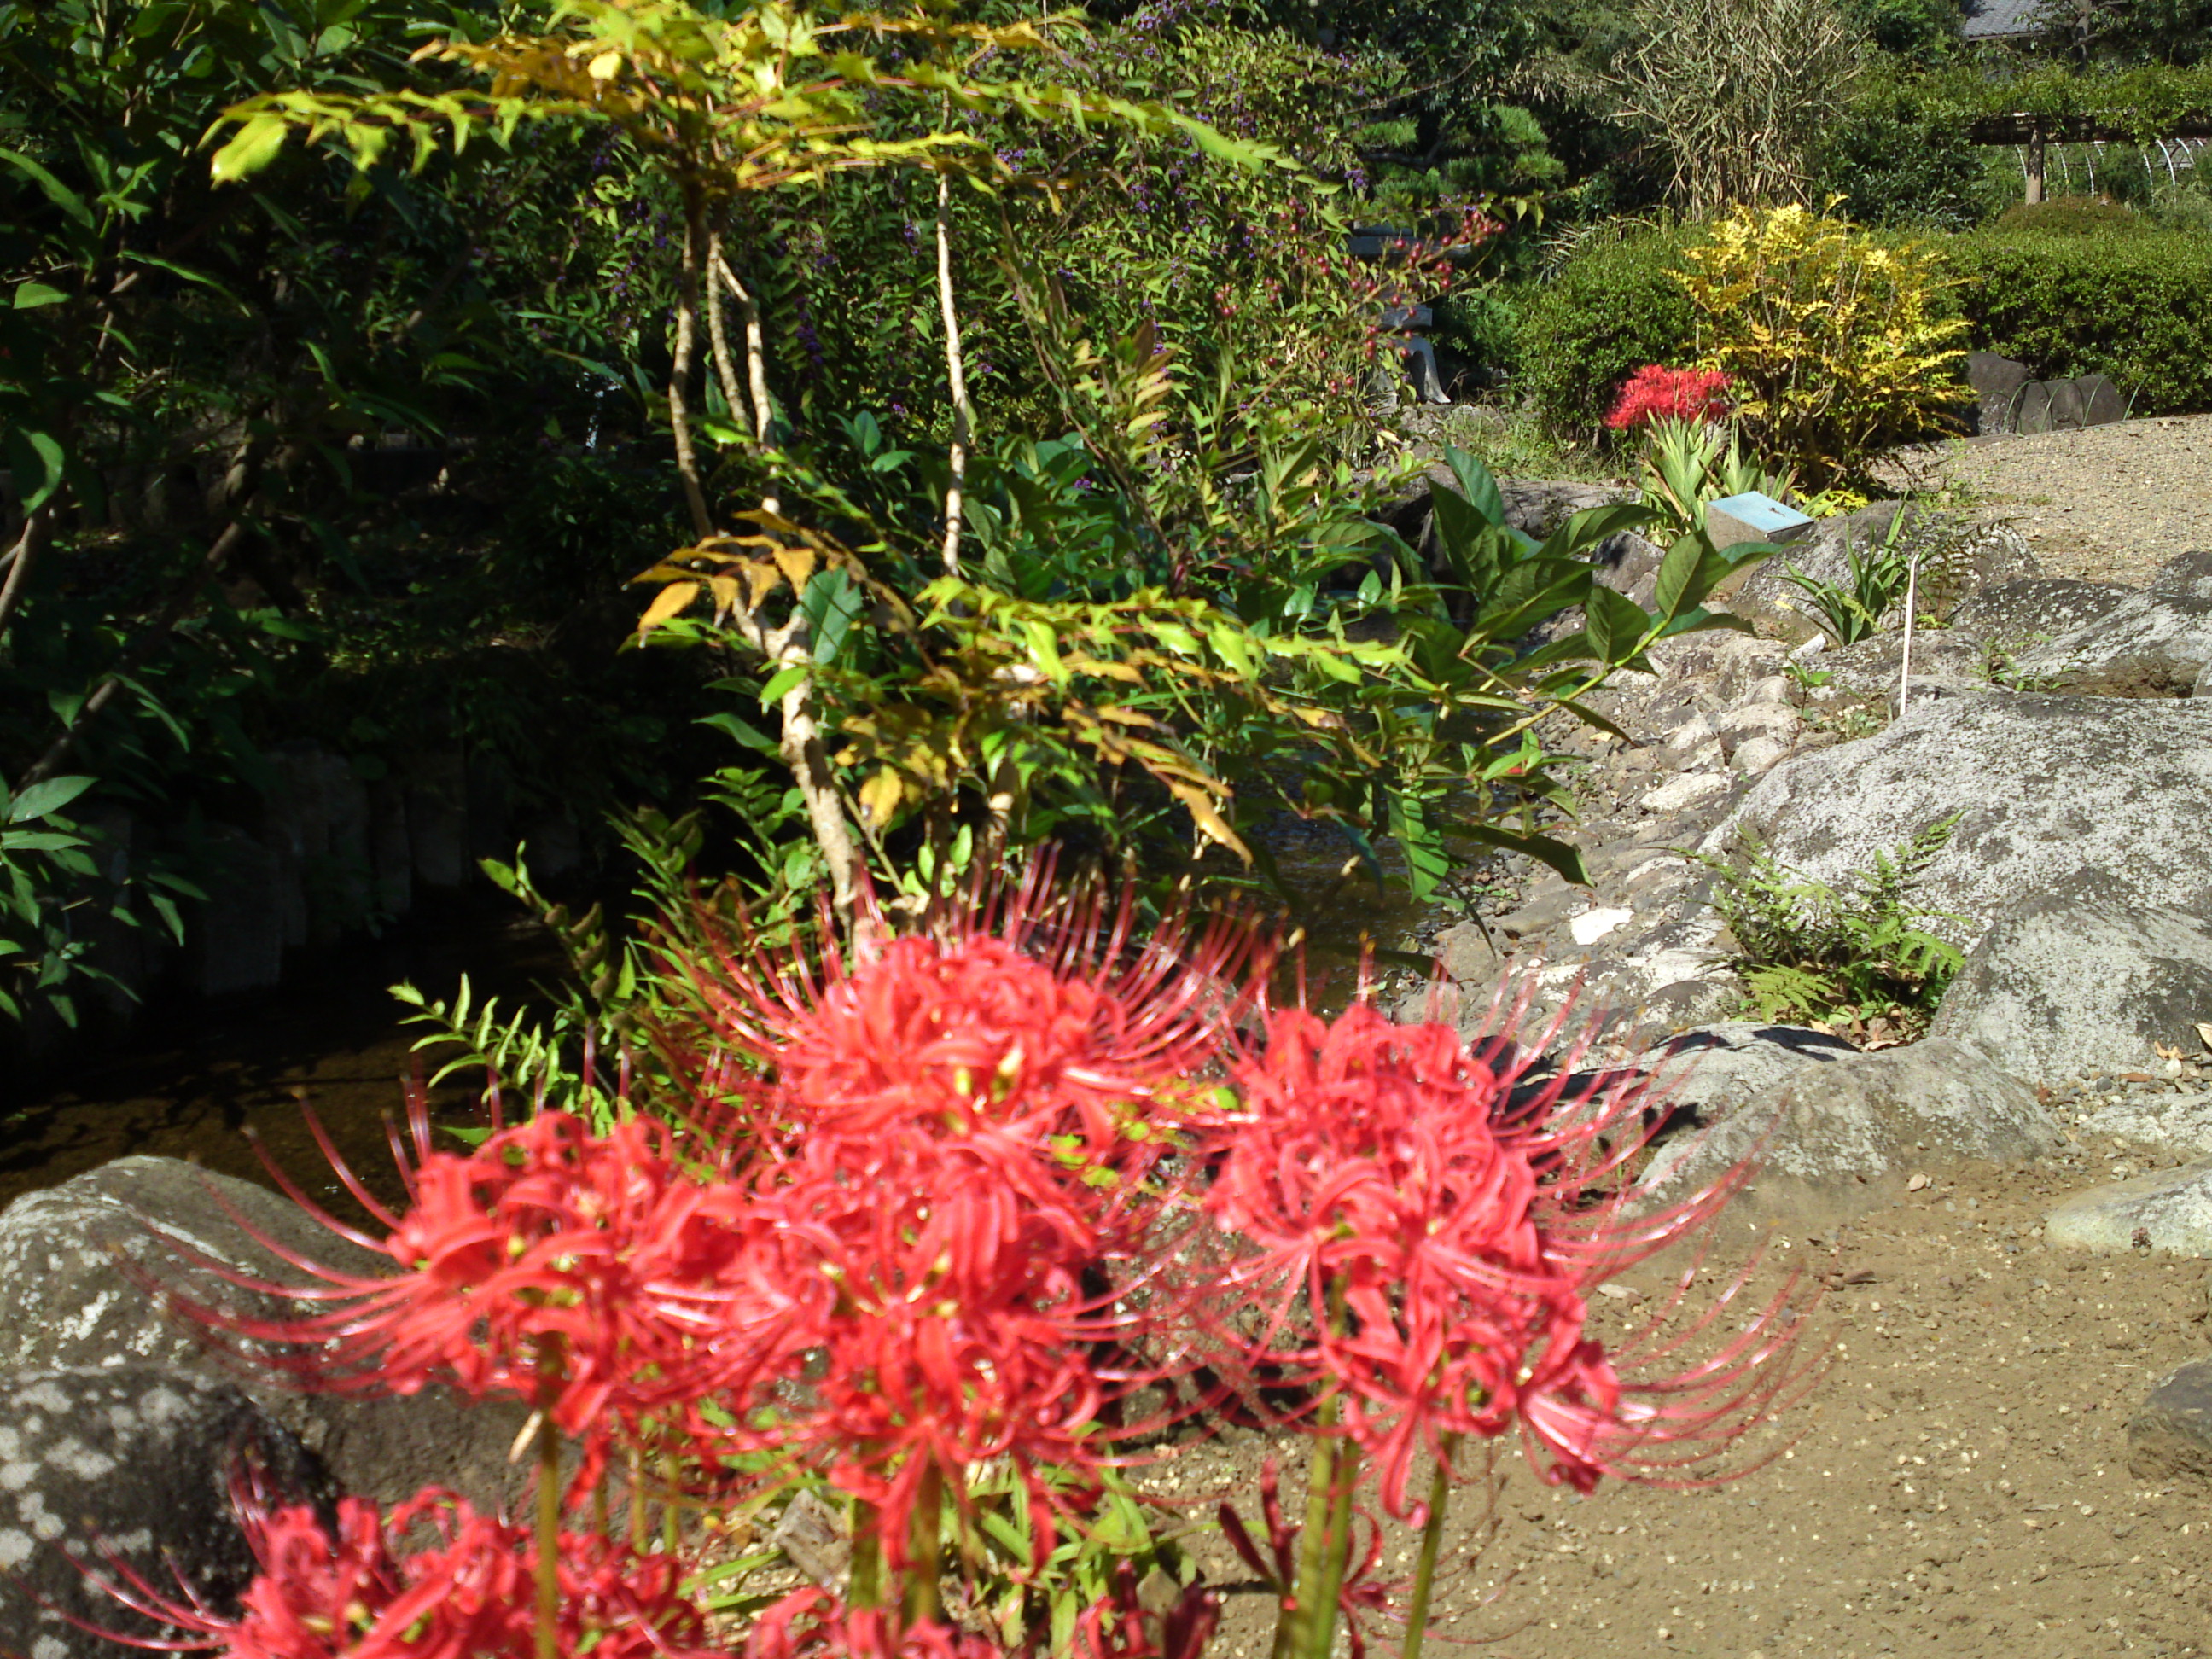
(605, 66)
(797, 564)
(1200, 804)
(881, 794)
(667, 602)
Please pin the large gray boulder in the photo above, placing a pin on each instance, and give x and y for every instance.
(2150, 645)
(2076, 979)
(2021, 614)
(1843, 1138)
(75, 1263)
(133, 1462)
(1712, 1071)
(2043, 787)
(2169, 1211)
(2186, 576)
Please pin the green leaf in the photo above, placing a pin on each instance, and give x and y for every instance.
(57, 192)
(831, 601)
(1616, 623)
(41, 799)
(38, 840)
(773, 692)
(1567, 860)
(1586, 529)
(750, 736)
(30, 295)
(36, 460)
(253, 147)
(1476, 486)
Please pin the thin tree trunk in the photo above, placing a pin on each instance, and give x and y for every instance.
(756, 363)
(963, 418)
(36, 528)
(679, 375)
(718, 336)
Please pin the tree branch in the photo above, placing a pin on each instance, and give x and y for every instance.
(679, 375)
(36, 529)
(956, 369)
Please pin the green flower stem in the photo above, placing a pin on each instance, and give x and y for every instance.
(552, 1366)
(637, 1499)
(1304, 1612)
(926, 1550)
(1336, 1553)
(671, 1517)
(1432, 1538)
(1292, 1623)
(867, 1588)
(549, 1537)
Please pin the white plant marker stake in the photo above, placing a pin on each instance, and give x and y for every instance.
(1905, 666)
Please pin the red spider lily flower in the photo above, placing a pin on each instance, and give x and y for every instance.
(433, 1580)
(594, 1277)
(952, 1320)
(1657, 393)
(1017, 1004)
(812, 1624)
(1450, 1216)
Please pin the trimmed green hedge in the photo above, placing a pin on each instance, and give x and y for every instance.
(2126, 300)
(1615, 307)
(2135, 305)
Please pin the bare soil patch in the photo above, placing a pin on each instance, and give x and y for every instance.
(1957, 1485)
(2109, 503)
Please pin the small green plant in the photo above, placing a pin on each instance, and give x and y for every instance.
(1688, 464)
(1857, 954)
(1804, 676)
(1849, 614)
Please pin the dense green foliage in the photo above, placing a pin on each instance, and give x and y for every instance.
(1895, 160)
(1617, 305)
(2133, 304)
(270, 482)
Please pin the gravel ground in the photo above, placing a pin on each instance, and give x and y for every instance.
(2110, 503)
(1957, 1486)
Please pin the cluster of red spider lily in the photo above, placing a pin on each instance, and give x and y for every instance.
(953, 1201)
(1656, 394)
(433, 1577)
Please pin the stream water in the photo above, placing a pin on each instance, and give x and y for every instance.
(192, 1077)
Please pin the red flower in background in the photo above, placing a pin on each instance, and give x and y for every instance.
(433, 1580)
(1655, 393)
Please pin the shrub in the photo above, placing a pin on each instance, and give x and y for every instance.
(2135, 305)
(2071, 215)
(1615, 307)
(1833, 338)
(1896, 162)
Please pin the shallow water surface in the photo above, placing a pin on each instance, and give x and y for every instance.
(192, 1078)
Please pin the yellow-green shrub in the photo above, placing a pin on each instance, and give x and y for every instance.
(1837, 341)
